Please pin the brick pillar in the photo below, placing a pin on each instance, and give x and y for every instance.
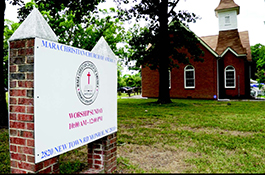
(21, 111)
(102, 155)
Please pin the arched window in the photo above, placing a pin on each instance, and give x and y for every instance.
(230, 77)
(189, 76)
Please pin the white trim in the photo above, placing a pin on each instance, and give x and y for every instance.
(230, 49)
(234, 70)
(207, 47)
(185, 86)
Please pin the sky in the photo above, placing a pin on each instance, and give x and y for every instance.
(251, 17)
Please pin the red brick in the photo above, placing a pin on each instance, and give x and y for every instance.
(26, 101)
(18, 44)
(30, 51)
(29, 76)
(13, 163)
(30, 109)
(97, 166)
(30, 142)
(96, 156)
(89, 156)
(99, 162)
(98, 152)
(46, 170)
(55, 168)
(18, 92)
(30, 126)
(13, 116)
(13, 84)
(114, 149)
(13, 148)
(39, 166)
(17, 171)
(113, 169)
(21, 52)
(113, 140)
(17, 125)
(21, 109)
(25, 117)
(30, 43)
(12, 100)
(30, 159)
(90, 161)
(27, 134)
(13, 68)
(54, 160)
(26, 84)
(17, 156)
(26, 166)
(25, 150)
(97, 146)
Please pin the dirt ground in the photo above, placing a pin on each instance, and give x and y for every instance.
(156, 158)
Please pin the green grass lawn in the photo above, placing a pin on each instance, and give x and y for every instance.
(201, 136)
(223, 137)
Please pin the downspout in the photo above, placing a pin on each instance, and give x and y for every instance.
(218, 93)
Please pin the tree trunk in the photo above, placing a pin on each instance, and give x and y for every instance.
(3, 105)
(164, 96)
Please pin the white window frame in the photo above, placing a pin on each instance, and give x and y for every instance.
(185, 70)
(234, 70)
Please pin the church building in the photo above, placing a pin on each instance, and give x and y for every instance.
(225, 72)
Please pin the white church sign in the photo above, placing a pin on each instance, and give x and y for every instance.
(75, 99)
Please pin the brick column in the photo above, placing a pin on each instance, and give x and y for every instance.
(21, 111)
(102, 155)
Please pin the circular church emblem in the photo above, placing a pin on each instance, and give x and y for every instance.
(87, 82)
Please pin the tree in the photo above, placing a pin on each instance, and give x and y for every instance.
(9, 29)
(80, 23)
(258, 58)
(132, 80)
(120, 80)
(3, 109)
(165, 49)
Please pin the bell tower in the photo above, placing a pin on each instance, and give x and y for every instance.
(227, 12)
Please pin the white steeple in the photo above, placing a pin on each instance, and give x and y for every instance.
(227, 12)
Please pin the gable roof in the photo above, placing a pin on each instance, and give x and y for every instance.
(239, 44)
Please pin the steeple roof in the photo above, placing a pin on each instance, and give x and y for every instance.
(227, 4)
(34, 26)
(230, 39)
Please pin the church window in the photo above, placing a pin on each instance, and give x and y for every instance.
(189, 76)
(230, 77)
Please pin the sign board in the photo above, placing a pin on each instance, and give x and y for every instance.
(75, 98)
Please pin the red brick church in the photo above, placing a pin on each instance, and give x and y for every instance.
(225, 72)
